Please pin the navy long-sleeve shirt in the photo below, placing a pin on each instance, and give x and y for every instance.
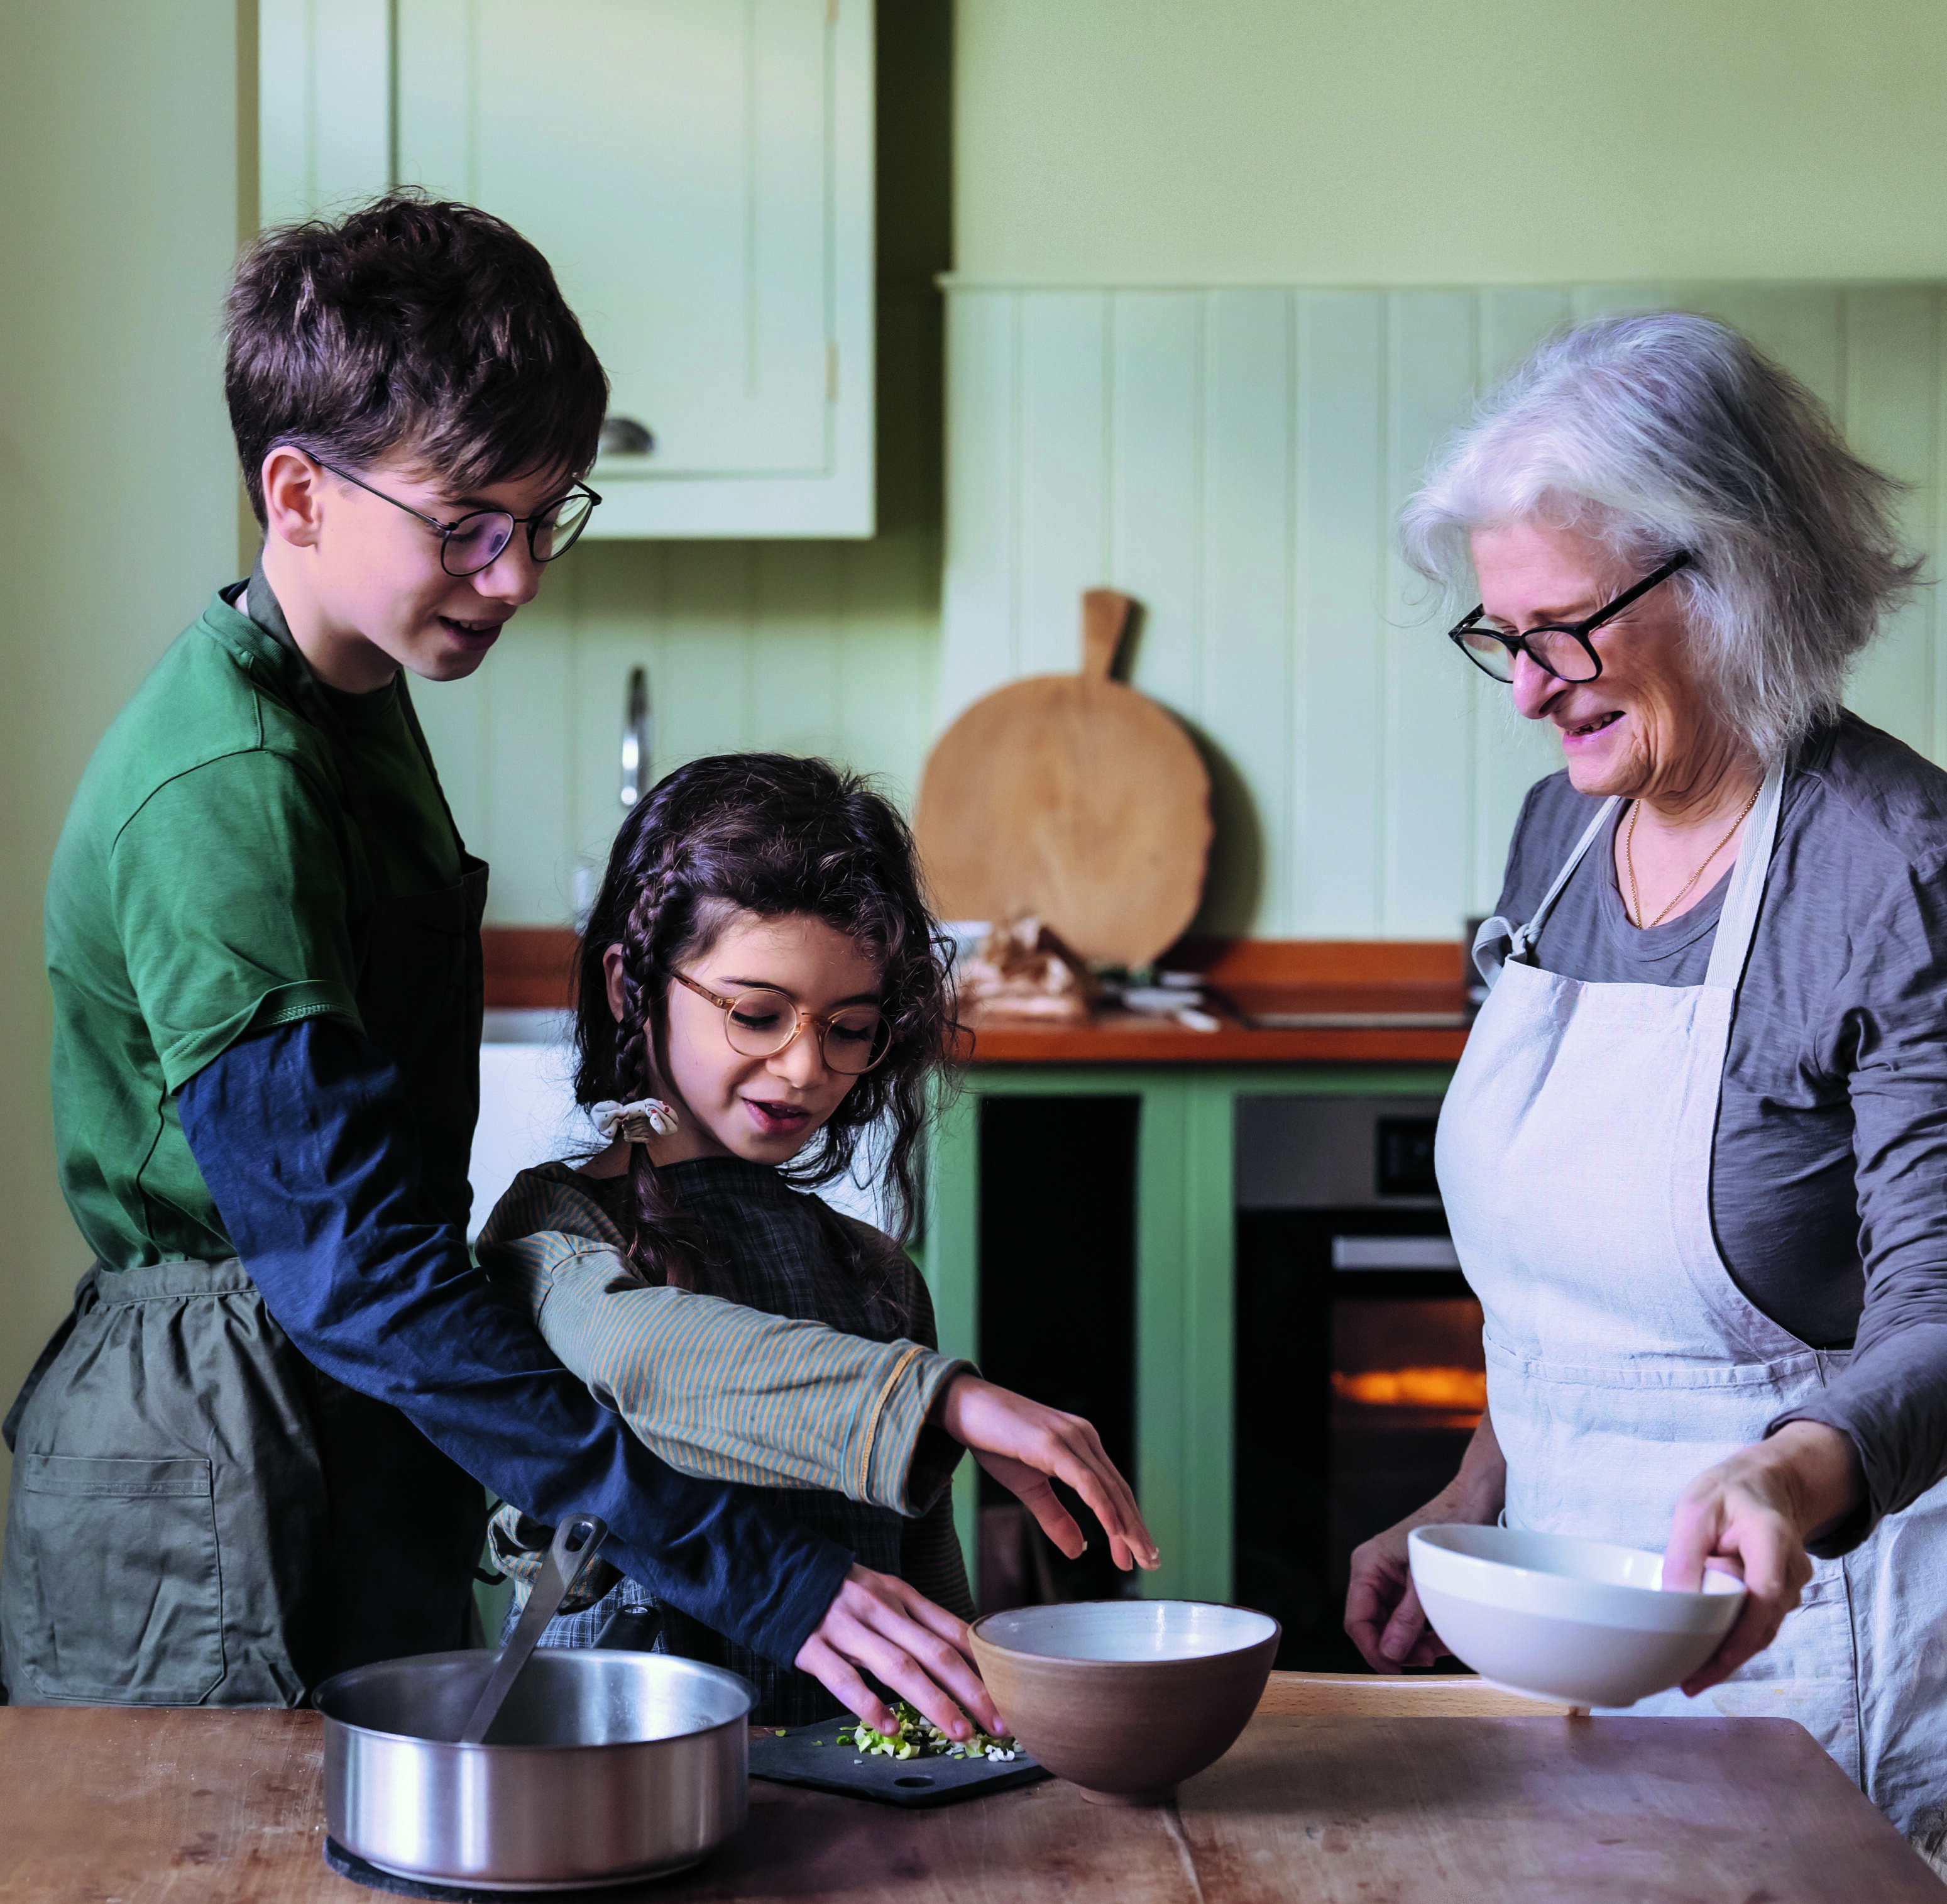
(299, 1135)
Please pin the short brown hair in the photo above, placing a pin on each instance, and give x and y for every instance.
(411, 324)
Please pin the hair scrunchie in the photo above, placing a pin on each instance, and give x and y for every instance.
(636, 1122)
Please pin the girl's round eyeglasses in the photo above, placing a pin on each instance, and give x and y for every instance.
(762, 1022)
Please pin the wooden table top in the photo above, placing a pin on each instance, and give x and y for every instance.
(105, 1803)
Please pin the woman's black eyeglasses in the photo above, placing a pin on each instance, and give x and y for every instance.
(479, 539)
(1562, 649)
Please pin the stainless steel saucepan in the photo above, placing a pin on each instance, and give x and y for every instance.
(601, 1767)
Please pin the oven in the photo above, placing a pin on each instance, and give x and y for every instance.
(1359, 1371)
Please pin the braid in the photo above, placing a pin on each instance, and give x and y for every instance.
(665, 1246)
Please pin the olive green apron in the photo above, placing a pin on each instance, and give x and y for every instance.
(198, 1516)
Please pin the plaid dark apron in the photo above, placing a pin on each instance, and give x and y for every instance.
(775, 1248)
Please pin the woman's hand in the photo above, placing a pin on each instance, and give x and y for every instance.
(1753, 1514)
(1021, 1443)
(880, 1625)
(1383, 1616)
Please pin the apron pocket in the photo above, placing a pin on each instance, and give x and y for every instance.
(118, 1566)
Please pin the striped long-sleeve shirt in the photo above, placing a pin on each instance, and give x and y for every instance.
(715, 1387)
(737, 1381)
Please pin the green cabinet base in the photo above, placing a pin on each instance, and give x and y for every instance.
(1185, 1255)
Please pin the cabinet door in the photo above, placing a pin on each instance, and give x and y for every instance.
(698, 173)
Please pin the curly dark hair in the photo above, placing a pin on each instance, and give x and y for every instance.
(412, 324)
(768, 835)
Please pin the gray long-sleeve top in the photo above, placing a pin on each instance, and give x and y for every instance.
(1828, 1181)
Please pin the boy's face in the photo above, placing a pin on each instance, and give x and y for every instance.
(360, 581)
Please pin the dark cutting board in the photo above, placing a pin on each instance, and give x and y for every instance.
(811, 1755)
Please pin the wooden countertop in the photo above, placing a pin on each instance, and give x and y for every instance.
(1365, 1002)
(102, 1803)
(1129, 1037)
(1374, 995)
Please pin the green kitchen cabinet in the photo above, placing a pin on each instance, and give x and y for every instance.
(698, 173)
(1186, 1258)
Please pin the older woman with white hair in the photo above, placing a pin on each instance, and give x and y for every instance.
(1695, 1156)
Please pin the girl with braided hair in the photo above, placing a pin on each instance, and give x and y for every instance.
(761, 986)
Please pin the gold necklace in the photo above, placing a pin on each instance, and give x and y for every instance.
(1630, 859)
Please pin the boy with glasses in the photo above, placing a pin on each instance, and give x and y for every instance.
(253, 1456)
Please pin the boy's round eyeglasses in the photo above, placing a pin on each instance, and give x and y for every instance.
(477, 540)
(763, 1022)
(1562, 649)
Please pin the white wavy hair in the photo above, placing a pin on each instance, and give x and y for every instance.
(1667, 431)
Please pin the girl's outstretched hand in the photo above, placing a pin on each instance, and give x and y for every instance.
(1021, 1444)
(880, 1624)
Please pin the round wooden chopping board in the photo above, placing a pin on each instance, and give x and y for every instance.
(1073, 797)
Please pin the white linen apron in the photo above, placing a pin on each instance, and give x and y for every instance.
(1574, 1155)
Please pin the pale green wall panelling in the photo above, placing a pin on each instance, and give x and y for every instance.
(807, 648)
(1408, 142)
(811, 647)
(1236, 460)
(318, 85)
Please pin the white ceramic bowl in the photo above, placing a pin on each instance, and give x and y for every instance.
(1559, 1618)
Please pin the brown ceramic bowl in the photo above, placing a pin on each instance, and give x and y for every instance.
(1126, 1698)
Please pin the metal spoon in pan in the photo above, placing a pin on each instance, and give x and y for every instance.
(575, 1541)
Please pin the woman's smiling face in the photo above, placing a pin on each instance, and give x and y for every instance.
(1644, 727)
(763, 1109)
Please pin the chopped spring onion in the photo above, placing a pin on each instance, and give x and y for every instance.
(913, 1736)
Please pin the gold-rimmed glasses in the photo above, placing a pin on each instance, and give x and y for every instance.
(762, 1021)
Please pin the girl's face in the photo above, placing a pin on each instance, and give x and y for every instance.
(764, 1108)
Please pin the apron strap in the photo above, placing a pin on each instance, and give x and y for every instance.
(1737, 922)
(1520, 940)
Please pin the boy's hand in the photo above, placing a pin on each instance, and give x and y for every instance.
(1021, 1443)
(921, 1651)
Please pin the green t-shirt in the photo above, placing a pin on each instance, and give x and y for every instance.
(416, 850)
(223, 851)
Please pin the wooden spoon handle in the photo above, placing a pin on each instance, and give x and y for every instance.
(1105, 617)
